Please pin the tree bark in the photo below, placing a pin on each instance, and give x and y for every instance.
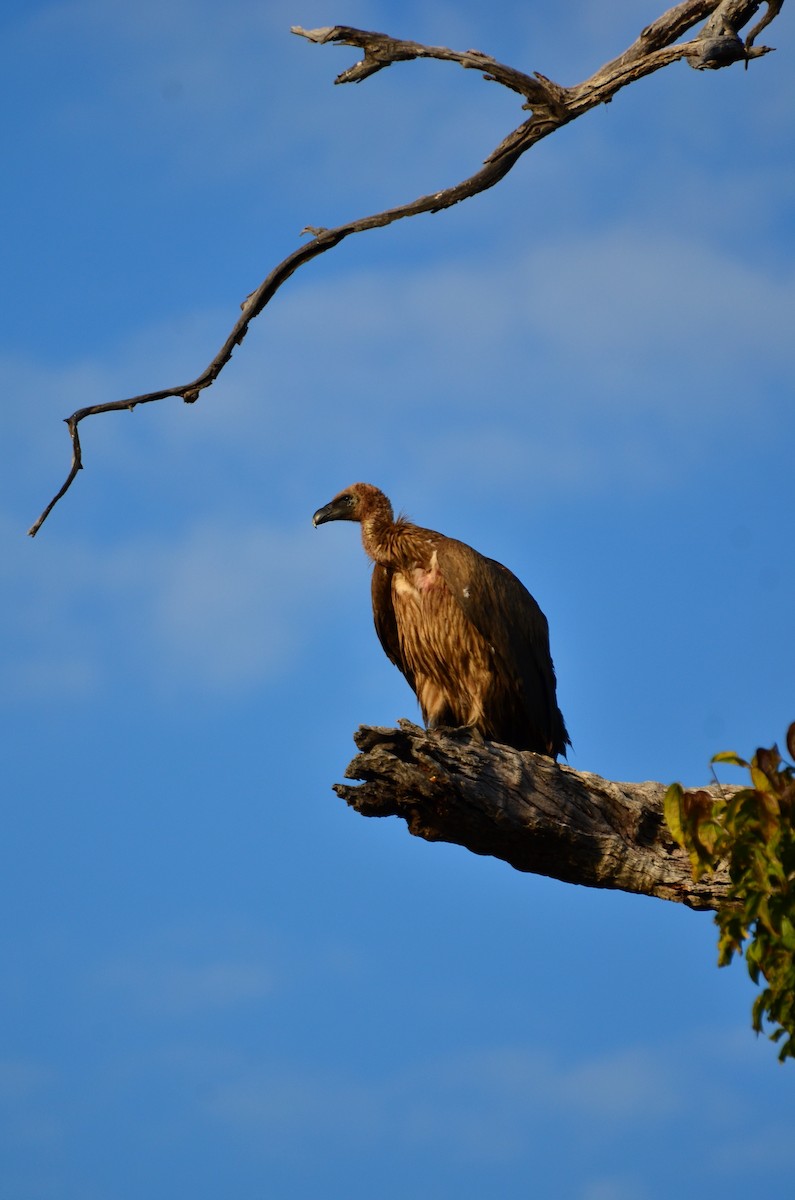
(535, 814)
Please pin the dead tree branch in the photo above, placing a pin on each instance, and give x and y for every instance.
(539, 816)
(717, 45)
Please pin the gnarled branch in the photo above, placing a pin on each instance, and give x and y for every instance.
(537, 815)
(552, 106)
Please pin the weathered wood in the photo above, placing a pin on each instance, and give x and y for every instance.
(537, 815)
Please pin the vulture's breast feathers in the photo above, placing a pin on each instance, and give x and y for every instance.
(417, 582)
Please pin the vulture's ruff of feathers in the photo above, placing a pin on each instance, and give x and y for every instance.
(468, 636)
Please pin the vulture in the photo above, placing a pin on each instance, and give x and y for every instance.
(468, 636)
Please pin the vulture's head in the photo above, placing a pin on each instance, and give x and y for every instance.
(355, 503)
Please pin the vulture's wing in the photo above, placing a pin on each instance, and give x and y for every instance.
(506, 615)
(385, 622)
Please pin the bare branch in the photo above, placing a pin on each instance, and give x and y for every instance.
(552, 106)
(539, 816)
(382, 51)
(731, 15)
(771, 12)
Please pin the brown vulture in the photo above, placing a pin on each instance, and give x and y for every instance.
(468, 636)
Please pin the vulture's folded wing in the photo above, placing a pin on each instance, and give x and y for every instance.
(507, 616)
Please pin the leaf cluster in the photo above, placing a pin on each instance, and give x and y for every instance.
(753, 833)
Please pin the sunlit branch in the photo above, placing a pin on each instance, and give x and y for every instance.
(717, 45)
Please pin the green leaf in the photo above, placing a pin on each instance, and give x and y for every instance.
(769, 815)
(672, 810)
(788, 934)
(760, 780)
(753, 832)
(768, 761)
(729, 756)
(758, 1010)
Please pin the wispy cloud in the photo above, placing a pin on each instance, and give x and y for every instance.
(482, 1106)
(197, 92)
(26, 1087)
(770, 1148)
(217, 606)
(616, 1187)
(644, 315)
(172, 989)
(632, 299)
(22, 1077)
(614, 351)
(618, 347)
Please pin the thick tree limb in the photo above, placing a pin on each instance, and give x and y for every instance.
(552, 106)
(536, 815)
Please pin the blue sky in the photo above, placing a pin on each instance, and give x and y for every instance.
(217, 979)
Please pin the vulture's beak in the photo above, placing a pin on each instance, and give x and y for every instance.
(337, 509)
(326, 513)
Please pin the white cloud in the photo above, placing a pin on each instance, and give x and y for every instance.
(767, 1148)
(620, 1187)
(26, 1090)
(629, 299)
(228, 604)
(284, 1104)
(481, 1106)
(643, 320)
(617, 1087)
(495, 1105)
(21, 1078)
(618, 353)
(207, 94)
(187, 969)
(625, 355)
(218, 606)
(173, 989)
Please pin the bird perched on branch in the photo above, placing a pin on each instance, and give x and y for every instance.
(468, 636)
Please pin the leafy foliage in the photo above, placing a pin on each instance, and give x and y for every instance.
(753, 833)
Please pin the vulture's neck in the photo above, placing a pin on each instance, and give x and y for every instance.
(397, 544)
